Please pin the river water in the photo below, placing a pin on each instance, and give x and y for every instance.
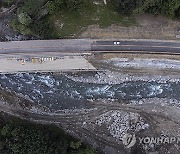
(60, 92)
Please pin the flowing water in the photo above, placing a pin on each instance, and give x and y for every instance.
(60, 92)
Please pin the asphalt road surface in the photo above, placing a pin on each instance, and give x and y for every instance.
(143, 46)
(45, 46)
(89, 45)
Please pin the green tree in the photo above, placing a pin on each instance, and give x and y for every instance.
(74, 5)
(51, 7)
(165, 7)
(75, 145)
(24, 18)
(6, 131)
(32, 7)
(156, 7)
(125, 6)
(42, 28)
(23, 29)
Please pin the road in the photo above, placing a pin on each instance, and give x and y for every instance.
(89, 45)
(45, 46)
(143, 46)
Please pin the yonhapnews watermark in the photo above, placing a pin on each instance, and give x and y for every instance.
(129, 140)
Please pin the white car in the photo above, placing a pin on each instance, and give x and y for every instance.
(116, 43)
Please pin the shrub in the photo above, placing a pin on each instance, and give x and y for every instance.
(6, 131)
(70, 5)
(125, 6)
(42, 28)
(21, 138)
(24, 18)
(156, 7)
(32, 7)
(8, 3)
(51, 7)
(23, 29)
(74, 5)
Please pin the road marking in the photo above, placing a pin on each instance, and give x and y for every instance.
(135, 46)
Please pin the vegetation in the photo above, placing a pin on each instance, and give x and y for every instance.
(156, 7)
(67, 18)
(70, 5)
(24, 19)
(7, 3)
(64, 18)
(23, 29)
(43, 28)
(21, 137)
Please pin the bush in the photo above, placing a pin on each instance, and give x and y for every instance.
(125, 6)
(32, 7)
(156, 7)
(177, 13)
(51, 7)
(21, 141)
(8, 3)
(42, 28)
(23, 29)
(24, 18)
(21, 138)
(68, 5)
(74, 5)
(6, 131)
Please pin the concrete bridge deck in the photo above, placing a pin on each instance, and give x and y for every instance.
(74, 46)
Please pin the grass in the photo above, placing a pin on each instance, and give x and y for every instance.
(69, 24)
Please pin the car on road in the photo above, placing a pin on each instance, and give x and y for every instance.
(116, 42)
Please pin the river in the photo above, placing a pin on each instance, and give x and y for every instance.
(58, 91)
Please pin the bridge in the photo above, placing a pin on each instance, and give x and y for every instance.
(91, 46)
(70, 54)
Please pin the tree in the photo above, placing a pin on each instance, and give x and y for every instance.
(6, 131)
(32, 7)
(51, 7)
(125, 6)
(177, 13)
(24, 18)
(156, 7)
(42, 28)
(165, 7)
(74, 5)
